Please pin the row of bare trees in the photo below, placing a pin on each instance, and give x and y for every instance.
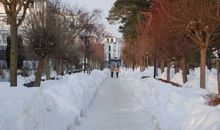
(184, 32)
(54, 33)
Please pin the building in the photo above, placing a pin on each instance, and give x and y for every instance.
(112, 50)
(36, 5)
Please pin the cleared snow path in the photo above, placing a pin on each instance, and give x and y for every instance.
(116, 108)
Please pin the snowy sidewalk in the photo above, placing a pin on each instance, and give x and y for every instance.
(115, 108)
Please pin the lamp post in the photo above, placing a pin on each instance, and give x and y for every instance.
(155, 53)
(86, 40)
(86, 44)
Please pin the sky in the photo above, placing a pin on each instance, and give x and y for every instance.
(104, 5)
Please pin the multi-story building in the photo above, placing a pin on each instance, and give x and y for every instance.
(112, 49)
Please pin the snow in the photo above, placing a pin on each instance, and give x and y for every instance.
(193, 79)
(115, 108)
(175, 108)
(98, 102)
(54, 106)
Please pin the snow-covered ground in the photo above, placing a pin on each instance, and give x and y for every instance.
(116, 108)
(54, 106)
(175, 108)
(194, 78)
(97, 102)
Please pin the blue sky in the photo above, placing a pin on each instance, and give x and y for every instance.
(104, 5)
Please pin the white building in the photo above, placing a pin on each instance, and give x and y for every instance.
(112, 50)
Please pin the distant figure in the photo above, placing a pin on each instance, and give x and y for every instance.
(117, 70)
(112, 71)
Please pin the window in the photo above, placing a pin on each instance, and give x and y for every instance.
(109, 48)
(112, 40)
(114, 48)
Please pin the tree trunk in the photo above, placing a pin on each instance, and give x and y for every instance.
(202, 67)
(209, 64)
(187, 68)
(39, 72)
(88, 66)
(47, 67)
(69, 68)
(133, 60)
(92, 66)
(142, 64)
(168, 70)
(176, 67)
(85, 64)
(62, 67)
(58, 67)
(218, 74)
(147, 62)
(13, 53)
(184, 71)
(155, 63)
(162, 64)
(1, 71)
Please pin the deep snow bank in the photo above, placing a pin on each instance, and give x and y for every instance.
(54, 106)
(174, 108)
(194, 79)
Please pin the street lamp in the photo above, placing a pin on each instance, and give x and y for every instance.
(85, 37)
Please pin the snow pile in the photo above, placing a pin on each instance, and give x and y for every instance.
(130, 74)
(54, 106)
(194, 79)
(211, 79)
(178, 78)
(164, 74)
(175, 108)
(4, 76)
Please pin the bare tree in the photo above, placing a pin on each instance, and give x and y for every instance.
(43, 33)
(76, 21)
(199, 19)
(13, 10)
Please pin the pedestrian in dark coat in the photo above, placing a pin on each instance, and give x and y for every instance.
(112, 71)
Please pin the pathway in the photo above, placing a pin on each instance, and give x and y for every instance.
(115, 108)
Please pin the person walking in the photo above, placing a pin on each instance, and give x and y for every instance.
(112, 71)
(117, 70)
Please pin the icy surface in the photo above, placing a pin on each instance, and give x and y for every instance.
(116, 108)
